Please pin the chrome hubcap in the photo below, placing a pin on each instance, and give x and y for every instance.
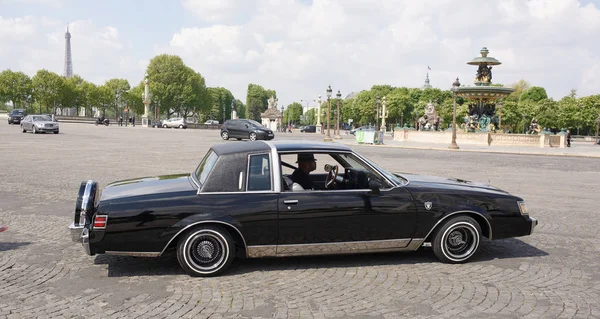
(461, 241)
(206, 251)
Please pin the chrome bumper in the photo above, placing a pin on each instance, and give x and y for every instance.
(80, 234)
(75, 230)
(534, 223)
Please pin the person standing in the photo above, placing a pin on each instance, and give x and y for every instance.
(568, 138)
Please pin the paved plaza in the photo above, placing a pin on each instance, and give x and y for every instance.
(555, 273)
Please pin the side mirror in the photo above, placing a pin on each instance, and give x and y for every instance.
(375, 187)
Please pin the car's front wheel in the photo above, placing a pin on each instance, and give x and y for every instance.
(34, 130)
(205, 251)
(253, 136)
(457, 240)
(165, 126)
(23, 129)
(225, 135)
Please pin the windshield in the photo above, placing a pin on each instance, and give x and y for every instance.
(16, 112)
(39, 118)
(397, 181)
(254, 123)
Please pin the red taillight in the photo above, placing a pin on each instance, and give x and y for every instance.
(100, 221)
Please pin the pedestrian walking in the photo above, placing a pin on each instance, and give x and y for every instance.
(568, 138)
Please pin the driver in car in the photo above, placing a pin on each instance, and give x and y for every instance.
(306, 164)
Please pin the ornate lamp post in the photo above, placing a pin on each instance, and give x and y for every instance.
(146, 98)
(328, 137)
(377, 102)
(319, 115)
(281, 126)
(579, 121)
(597, 127)
(455, 87)
(524, 123)
(337, 120)
(500, 105)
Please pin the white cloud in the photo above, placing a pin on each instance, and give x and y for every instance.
(219, 10)
(298, 48)
(29, 44)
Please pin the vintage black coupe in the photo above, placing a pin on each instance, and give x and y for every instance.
(242, 201)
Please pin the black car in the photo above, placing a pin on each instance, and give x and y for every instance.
(241, 201)
(16, 116)
(243, 128)
(309, 129)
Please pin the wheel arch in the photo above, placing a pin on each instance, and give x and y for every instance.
(235, 233)
(482, 220)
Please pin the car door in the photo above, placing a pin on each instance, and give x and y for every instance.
(345, 220)
(26, 122)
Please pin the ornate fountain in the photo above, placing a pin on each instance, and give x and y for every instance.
(481, 116)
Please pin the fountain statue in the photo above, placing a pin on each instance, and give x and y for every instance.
(430, 121)
(481, 115)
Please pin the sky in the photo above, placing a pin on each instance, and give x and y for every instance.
(299, 47)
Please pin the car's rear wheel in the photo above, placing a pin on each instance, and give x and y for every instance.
(253, 136)
(205, 251)
(180, 125)
(225, 135)
(457, 240)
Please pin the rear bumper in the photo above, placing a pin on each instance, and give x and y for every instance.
(80, 234)
(534, 223)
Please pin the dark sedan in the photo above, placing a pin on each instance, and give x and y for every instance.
(16, 116)
(245, 200)
(309, 129)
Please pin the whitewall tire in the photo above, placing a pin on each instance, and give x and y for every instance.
(205, 251)
(457, 240)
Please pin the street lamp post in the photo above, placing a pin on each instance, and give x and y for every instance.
(328, 137)
(579, 121)
(523, 123)
(377, 102)
(337, 120)
(146, 99)
(455, 87)
(281, 126)
(319, 128)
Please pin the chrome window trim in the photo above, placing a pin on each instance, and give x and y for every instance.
(460, 212)
(206, 222)
(276, 167)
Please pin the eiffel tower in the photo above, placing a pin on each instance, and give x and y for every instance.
(68, 61)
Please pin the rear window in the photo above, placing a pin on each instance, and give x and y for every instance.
(206, 166)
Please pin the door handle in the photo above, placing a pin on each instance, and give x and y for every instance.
(291, 202)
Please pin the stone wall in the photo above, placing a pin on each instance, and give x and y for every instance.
(542, 140)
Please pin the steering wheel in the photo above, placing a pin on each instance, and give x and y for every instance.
(331, 176)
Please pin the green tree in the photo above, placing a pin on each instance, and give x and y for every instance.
(117, 88)
(534, 94)
(257, 100)
(293, 113)
(15, 87)
(48, 89)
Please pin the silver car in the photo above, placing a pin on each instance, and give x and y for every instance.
(38, 124)
(174, 122)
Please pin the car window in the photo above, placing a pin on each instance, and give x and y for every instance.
(42, 118)
(206, 166)
(259, 173)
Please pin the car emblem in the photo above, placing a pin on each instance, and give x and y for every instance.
(428, 205)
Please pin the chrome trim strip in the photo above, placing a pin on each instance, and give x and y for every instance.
(353, 247)
(460, 212)
(205, 222)
(261, 251)
(534, 223)
(132, 253)
(276, 167)
(85, 198)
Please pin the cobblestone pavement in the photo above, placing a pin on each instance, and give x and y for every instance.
(554, 273)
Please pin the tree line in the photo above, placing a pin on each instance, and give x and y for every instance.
(179, 90)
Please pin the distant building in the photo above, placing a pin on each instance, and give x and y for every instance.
(427, 84)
